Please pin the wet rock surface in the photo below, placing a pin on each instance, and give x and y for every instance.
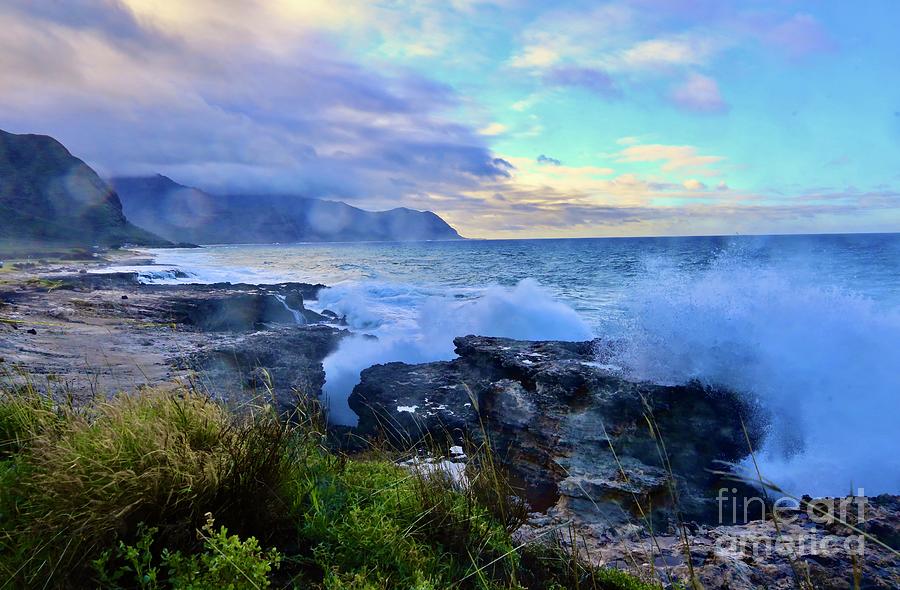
(281, 364)
(798, 552)
(572, 432)
(89, 334)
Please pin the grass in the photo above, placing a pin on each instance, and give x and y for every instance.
(172, 490)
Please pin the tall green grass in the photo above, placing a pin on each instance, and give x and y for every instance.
(123, 494)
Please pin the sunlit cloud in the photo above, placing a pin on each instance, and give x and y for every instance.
(800, 36)
(685, 50)
(508, 117)
(493, 129)
(672, 157)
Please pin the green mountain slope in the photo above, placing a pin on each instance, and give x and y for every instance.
(47, 195)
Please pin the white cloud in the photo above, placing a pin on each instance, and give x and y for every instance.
(692, 184)
(536, 56)
(674, 158)
(683, 50)
(699, 93)
(493, 129)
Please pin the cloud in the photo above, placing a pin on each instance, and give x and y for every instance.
(236, 95)
(503, 165)
(640, 209)
(692, 184)
(535, 56)
(674, 157)
(801, 36)
(324, 99)
(573, 37)
(591, 79)
(699, 93)
(683, 50)
(493, 129)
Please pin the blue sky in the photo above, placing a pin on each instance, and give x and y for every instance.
(510, 118)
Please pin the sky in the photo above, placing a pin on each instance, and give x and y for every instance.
(509, 118)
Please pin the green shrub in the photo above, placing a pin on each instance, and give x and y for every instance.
(23, 412)
(128, 565)
(156, 458)
(112, 495)
(226, 563)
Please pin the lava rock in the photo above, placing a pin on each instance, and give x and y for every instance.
(285, 360)
(573, 433)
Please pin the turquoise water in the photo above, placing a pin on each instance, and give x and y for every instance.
(808, 325)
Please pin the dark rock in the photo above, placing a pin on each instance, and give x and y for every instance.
(234, 313)
(32, 331)
(759, 554)
(294, 300)
(218, 307)
(409, 402)
(289, 360)
(340, 320)
(572, 432)
(85, 281)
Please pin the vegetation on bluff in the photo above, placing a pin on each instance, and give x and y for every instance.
(173, 490)
(48, 196)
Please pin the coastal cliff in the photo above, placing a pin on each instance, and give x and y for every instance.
(49, 196)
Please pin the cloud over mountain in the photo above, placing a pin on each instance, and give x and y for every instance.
(234, 96)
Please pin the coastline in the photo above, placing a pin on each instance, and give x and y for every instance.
(88, 332)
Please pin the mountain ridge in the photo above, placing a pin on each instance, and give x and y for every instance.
(186, 214)
(48, 195)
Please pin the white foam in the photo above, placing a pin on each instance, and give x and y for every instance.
(825, 362)
(416, 325)
(299, 319)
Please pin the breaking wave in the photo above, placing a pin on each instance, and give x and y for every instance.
(808, 327)
(416, 325)
(824, 361)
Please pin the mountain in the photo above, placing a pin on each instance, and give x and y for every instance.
(47, 195)
(184, 214)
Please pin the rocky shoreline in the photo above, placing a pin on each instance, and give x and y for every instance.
(599, 458)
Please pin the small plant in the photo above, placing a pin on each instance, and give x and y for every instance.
(135, 563)
(227, 563)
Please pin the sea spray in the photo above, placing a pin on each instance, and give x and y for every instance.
(824, 361)
(415, 326)
(805, 324)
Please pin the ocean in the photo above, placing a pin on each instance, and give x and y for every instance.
(807, 326)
